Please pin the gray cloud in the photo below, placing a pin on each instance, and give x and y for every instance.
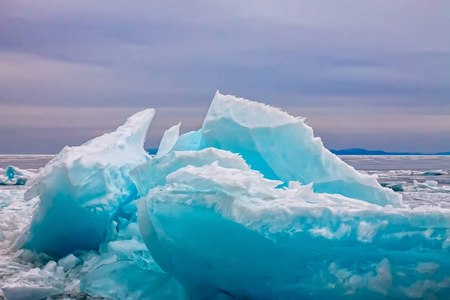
(103, 59)
(47, 129)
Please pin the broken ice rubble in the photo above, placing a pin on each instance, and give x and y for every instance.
(251, 206)
(14, 176)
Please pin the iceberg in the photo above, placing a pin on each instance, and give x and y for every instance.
(250, 206)
(281, 147)
(435, 173)
(86, 218)
(83, 189)
(227, 231)
(395, 186)
(15, 176)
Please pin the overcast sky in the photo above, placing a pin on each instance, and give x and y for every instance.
(369, 74)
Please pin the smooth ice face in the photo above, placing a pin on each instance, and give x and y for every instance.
(281, 147)
(168, 140)
(83, 188)
(222, 230)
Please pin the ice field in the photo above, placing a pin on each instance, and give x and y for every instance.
(250, 206)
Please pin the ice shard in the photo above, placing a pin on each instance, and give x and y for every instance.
(168, 140)
(282, 147)
(83, 188)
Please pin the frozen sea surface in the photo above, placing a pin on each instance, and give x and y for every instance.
(25, 161)
(424, 179)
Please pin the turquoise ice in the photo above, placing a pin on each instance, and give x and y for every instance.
(251, 206)
(83, 188)
(282, 147)
(222, 230)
